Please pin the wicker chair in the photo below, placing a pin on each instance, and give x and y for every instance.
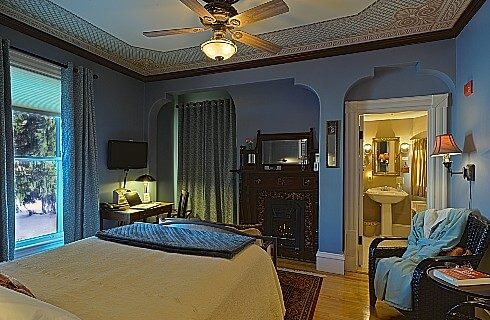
(466, 310)
(428, 300)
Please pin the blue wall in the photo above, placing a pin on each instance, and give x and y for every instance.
(471, 117)
(119, 102)
(331, 79)
(165, 155)
(390, 82)
(274, 107)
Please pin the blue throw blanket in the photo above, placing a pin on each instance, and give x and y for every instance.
(178, 240)
(392, 281)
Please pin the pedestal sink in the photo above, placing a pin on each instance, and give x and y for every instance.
(386, 196)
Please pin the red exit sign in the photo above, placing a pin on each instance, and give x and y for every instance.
(468, 88)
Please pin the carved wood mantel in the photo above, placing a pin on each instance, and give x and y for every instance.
(283, 197)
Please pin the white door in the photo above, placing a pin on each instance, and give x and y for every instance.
(360, 168)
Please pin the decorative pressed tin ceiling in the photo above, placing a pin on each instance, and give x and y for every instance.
(383, 20)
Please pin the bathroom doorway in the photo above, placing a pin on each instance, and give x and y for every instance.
(382, 129)
(394, 174)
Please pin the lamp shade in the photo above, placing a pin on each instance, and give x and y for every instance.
(445, 145)
(145, 178)
(219, 49)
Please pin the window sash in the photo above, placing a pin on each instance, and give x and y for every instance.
(40, 69)
(54, 239)
(57, 119)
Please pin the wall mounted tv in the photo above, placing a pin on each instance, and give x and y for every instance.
(126, 154)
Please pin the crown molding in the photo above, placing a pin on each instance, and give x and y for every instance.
(453, 32)
(62, 44)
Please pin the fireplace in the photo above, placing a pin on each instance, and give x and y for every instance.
(289, 217)
(285, 219)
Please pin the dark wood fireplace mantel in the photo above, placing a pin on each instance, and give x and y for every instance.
(283, 197)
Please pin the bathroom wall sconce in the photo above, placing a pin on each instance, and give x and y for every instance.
(445, 146)
(369, 176)
(368, 148)
(404, 147)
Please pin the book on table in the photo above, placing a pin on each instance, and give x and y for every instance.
(462, 276)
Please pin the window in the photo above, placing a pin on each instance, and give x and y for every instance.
(36, 101)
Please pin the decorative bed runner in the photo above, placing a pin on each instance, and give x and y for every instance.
(300, 293)
(178, 240)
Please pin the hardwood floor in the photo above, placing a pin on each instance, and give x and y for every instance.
(344, 297)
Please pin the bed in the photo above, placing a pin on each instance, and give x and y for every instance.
(98, 279)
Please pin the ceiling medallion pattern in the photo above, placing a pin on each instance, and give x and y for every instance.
(384, 19)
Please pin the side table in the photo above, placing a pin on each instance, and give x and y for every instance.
(458, 295)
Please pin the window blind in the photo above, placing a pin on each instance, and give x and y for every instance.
(36, 84)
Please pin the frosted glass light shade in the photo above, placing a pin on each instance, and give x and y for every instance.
(219, 49)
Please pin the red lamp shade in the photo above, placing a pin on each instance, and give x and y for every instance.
(445, 145)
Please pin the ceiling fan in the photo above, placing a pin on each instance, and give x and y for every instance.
(221, 17)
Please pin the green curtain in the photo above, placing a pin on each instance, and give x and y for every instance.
(7, 197)
(207, 153)
(419, 168)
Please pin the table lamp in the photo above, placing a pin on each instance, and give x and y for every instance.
(146, 179)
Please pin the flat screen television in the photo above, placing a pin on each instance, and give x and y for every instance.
(126, 154)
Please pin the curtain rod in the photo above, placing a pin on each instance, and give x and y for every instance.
(59, 64)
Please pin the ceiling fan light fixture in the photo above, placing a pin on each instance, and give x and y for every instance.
(219, 49)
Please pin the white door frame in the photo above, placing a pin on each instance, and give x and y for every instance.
(437, 108)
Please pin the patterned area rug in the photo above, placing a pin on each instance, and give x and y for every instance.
(300, 292)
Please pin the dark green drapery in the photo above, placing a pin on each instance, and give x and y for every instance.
(207, 153)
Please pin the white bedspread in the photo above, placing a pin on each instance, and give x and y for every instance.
(96, 279)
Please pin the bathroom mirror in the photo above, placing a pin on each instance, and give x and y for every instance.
(386, 158)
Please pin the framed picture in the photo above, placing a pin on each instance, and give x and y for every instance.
(332, 144)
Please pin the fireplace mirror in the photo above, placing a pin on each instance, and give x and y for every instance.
(284, 152)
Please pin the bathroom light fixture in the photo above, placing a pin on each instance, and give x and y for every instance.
(404, 147)
(445, 146)
(368, 148)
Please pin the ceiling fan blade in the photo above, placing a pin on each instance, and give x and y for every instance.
(264, 11)
(256, 42)
(169, 32)
(195, 6)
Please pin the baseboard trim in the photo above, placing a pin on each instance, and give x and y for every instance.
(330, 262)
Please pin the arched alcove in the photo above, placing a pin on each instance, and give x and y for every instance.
(271, 106)
(391, 89)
